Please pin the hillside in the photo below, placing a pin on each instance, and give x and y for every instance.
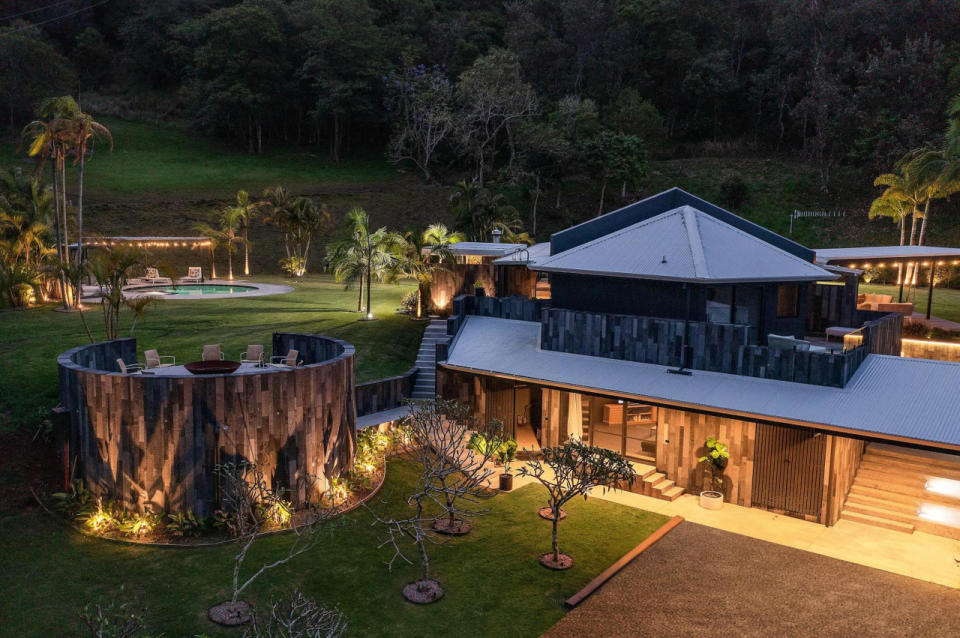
(162, 180)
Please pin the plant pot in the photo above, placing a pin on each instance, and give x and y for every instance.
(506, 482)
(711, 500)
(480, 292)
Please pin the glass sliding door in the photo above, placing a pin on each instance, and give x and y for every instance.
(626, 427)
(640, 432)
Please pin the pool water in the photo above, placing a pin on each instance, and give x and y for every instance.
(197, 289)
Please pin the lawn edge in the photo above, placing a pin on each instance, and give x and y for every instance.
(624, 560)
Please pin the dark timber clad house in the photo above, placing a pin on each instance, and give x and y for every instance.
(672, 320)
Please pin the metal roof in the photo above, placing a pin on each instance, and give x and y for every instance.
(684, 244)
(825, 255)
(888, 397)
(483, 248)
(527, 255)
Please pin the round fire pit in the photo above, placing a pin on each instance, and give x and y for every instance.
(212, 367)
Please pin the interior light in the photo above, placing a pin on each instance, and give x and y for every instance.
(945, 486)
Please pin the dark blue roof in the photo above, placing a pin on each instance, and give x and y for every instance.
(660, 203)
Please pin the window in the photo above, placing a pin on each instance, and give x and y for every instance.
(624, 427)
(787, 300)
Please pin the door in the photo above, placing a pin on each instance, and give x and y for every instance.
(788, 470)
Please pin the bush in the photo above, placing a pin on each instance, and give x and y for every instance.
(409, 303)
(734, 191)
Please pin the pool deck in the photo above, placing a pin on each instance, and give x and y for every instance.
(259, 290)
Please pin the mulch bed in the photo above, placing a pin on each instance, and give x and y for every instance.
(423, 592)
(230, 614)
(547, 513)
(459, 527)
(565, 562)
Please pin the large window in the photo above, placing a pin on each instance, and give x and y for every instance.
(788, 301)
(623, 426)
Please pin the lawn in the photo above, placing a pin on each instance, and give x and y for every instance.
(494, 584)
(30, 340)
(164, 160)
(946, 301)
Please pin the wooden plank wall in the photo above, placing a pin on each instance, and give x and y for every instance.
(844, 455)
(789, 469)
(680, 443)
(156, 440)
(516, 280)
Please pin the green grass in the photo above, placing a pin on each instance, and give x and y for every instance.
(494, 584)
(30, 340)
(946, 301)
(164, 160)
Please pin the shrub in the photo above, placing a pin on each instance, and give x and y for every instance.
(294, 266)
(409, 302)
(734, 191)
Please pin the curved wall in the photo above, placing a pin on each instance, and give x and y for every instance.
(151, 439)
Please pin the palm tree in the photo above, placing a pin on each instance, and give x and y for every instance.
(246, 211)
(215, 239)
(273, 207)
(377, 251)
(423, 254)
(229, 225)
(480, 209)
(85, 130)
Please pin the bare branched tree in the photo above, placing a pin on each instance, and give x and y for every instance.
(297, 616)
(452, 477)
(252, 506)
(572, 470)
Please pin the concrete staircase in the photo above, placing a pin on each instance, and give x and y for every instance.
(425, 386)
(892, 490)
(650, 482)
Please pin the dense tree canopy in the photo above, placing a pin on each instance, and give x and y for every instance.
(855, 83)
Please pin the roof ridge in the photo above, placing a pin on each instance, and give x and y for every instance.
(689, 218)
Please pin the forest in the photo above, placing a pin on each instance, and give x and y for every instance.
(515, 92)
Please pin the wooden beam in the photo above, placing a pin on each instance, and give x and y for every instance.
(611, 571)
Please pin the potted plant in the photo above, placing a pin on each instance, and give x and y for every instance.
(715, 461)
(505, 454)
(478, 289)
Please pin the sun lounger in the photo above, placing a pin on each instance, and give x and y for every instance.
(153, 277)
(194, 276)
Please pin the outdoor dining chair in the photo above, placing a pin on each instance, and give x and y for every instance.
(254, 354)
(129, 368)
(156, 360)
(288, 360)
(212, 353)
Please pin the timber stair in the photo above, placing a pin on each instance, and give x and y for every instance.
(890, 491)
(650, 482)
(425, 385)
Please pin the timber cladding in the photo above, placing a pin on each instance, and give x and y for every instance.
(680, 444)
(155, 440)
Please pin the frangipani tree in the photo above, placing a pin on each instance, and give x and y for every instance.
(571, 470)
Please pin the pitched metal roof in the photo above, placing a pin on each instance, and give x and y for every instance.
(684, 244)
(527, 255)
(483, 248)
(857, 253)
(889, 397)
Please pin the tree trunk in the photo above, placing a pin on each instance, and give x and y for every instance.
(903, 229)
(246, 253)
(923, 224)
(213, 264)
(67, 286)
(623, 190)
(559, 189)
(360, 296)
(80, 212)
(369, 286)
(229, 263)
(533, 212)
(603, 190)
(913, 225)
(556, 521)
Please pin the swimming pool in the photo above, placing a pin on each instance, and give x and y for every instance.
(192, 290)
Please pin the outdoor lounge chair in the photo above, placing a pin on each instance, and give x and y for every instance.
(153, 277)
(254, 354)
(156, 360)
(129, 368)
(194, 276)
(212, 353)
(288, 360)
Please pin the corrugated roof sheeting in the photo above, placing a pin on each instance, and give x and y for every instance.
(856, 253)
(684, 244)
(526, 255)
(914, 399)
